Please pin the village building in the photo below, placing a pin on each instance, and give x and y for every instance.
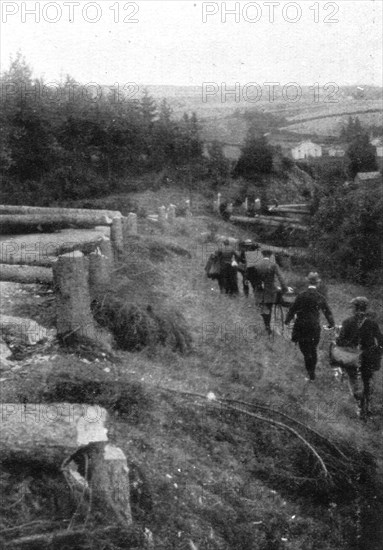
(231, 151)
(336, 152)
(306, 149)
(368, 178)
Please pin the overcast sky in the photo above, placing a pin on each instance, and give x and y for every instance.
(171, 44)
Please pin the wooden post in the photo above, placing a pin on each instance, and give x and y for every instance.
(130, 224)
(74, 317)
(188, 210)
(162, 216)
(116, 236)
(106, 249)
(246, 204)
(99, 271)
(172, 214)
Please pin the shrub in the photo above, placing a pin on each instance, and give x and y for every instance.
(346, 232)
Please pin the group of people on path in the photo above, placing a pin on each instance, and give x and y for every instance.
(359, 331)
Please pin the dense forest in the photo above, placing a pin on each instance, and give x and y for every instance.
(65, 143)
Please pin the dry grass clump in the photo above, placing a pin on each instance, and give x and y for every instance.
(136, 326)
(133, 308)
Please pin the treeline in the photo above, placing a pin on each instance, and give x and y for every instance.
(65, 146)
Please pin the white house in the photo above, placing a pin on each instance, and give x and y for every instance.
(376, 142)
(379, 151)
(306, 149)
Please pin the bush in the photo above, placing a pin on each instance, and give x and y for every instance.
(346, 232)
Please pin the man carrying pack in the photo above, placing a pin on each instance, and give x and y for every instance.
(268, 291)
(360, 330)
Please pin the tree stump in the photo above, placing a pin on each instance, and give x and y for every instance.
(130, 224)
(74, 317)
(188, 209)
(99, 271)
(107, 250)
(109, 484)
(172, 214)
(116, 236)
(162, 217)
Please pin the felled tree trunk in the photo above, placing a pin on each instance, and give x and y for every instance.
(25, 274)
(45, 222)
(5, 354)
(42, 251)
(74, 317)
(22, 330)
(9, 209)
(48, 434)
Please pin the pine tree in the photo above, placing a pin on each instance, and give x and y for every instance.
(256, 156)
(360, 156)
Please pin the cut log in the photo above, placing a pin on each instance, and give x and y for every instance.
(5, 354)
(21, 330)
(74, 318)
(42, 250)
(271, 221)
(48, 434)
(41, 222)
(25, 274)
(9, 209)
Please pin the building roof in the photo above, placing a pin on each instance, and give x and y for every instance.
(364, 176)
(305, 142)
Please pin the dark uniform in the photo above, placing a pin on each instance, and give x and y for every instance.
(363, 332)
(306, 331)
(228, 272)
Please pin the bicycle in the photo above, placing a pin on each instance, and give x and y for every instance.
(278, 315)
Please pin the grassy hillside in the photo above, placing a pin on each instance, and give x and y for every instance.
(220, 479)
